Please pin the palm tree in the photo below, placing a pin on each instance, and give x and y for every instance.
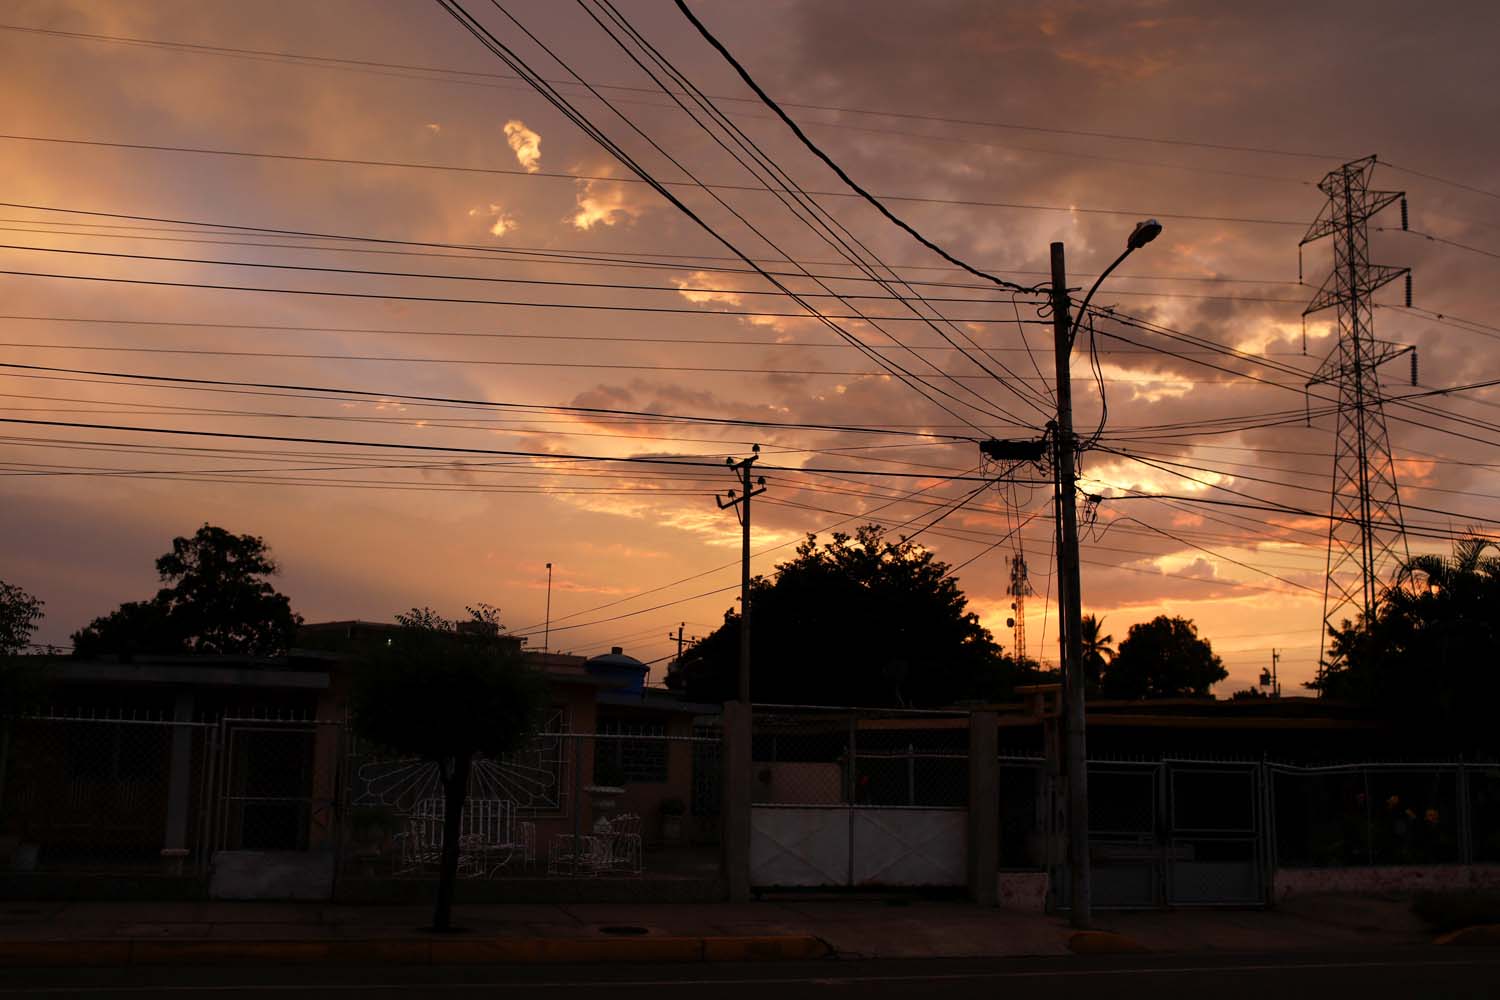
(1097, 650)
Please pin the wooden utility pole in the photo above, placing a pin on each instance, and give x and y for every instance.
(1071, 609)
(741, 503)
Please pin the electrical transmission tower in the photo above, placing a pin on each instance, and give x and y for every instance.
(1019, 587)
(1366, 536)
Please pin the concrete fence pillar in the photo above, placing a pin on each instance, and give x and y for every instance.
(984, 808)
(734, 809)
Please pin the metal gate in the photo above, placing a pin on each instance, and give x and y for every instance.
(859, 845)
(277, 785)
(1174, 833)
(1216, 847)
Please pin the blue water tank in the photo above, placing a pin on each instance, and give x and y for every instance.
(618, 670)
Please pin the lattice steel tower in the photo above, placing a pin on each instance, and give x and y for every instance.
(1366, 536)
(1019, 587)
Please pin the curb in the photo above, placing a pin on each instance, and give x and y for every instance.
(1104, 943)
(415, 951)
(1480, 934)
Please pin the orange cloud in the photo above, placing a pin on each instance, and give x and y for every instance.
(525, 143)
(603, 202)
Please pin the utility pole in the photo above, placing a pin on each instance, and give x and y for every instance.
(678, 637)
(1268, 678)
(737, 721)
(1066, 484)
(741, 504)
(547, 633)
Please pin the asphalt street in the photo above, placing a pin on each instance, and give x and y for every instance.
(1427, 973)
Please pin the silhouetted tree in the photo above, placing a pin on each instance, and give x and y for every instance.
(217, 600)
(19, 680)
(19, 614)
(1426, 656)
(445, 691)
(1162, 658)
(1097, 651)
(862, 619)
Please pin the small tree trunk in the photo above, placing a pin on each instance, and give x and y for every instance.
(455, 789)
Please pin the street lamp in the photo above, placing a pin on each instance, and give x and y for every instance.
(1143, 233)
(1065, 330)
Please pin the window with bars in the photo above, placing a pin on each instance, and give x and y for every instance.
(641, 760)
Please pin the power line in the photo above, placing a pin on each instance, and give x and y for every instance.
(577, 256)
(1441, 180)
(573, 176)
(366, 65)
(822, 223)
(628, 460)
(382, 395)
(516, 63)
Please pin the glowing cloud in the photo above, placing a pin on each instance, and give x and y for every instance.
(603, 202)
(699, 288)
(504, 221)
(525, 143)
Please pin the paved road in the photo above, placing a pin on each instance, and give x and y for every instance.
(1426, 973)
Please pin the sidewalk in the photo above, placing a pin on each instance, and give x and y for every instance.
(158, 933)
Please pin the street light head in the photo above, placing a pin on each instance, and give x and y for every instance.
(1143, 233)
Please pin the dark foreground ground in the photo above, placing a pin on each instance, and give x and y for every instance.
(1407, 973)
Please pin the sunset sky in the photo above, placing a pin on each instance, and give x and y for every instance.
(992, 128)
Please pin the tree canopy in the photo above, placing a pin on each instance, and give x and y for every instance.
(1098, 650)
(1162, 658)
(445, 691)
(863, 619)
(1425, 658)
(19, 614)
(216, 600)
(442, 688)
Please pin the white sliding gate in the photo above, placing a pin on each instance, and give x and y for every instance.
(858, 846)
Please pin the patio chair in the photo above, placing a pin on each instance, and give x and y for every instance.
(490, 834)
(625, 844)
(422, 841)
(575, 855)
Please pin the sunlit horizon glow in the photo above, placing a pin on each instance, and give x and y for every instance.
(464, 177)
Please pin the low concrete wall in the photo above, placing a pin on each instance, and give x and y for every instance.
(122, 888)
(422, 891)
(1293, 882)
(1023, 891)
(283, 875)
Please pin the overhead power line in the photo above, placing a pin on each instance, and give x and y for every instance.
(574, 176)
(381, 394)
(706, 262)
(828, 161)
(401, 446)
(460, 75)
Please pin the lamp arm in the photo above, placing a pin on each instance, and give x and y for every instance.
(1073, 333)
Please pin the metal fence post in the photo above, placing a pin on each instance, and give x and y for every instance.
(853, 786)
(984, 809)
(911, 775)
(577, 800)
(1465, 828)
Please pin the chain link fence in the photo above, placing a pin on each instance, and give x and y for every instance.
(807, 757)
(633, 800)
(1384, 814)
(105, 793)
